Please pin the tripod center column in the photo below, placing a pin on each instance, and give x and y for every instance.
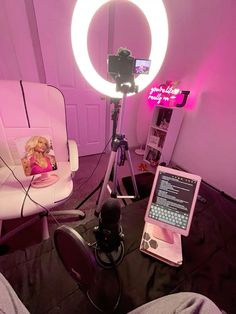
(120, 121)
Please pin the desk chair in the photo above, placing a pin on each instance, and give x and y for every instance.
(28, 109)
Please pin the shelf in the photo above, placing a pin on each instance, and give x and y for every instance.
(152, 145)
(162, 135)
(159, 129)
(152, 154)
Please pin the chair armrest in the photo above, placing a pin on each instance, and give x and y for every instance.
(73, 155)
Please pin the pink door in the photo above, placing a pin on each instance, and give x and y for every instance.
(85, 108)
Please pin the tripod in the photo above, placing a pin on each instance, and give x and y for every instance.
(120, 152)
(119, 149)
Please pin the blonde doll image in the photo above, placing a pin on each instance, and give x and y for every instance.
(38, 158)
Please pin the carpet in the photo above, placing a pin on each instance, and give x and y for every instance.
(144, 183)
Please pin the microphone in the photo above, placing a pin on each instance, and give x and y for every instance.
(110, 216)
(108, 233)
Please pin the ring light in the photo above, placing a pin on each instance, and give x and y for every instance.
(84, 11)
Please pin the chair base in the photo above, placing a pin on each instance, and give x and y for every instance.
(76, 212)
(28, 223)
(44, 217)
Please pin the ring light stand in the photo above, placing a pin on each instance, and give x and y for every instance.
(120, 152)
(119, 149)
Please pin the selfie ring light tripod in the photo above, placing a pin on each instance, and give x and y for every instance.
(119, 143)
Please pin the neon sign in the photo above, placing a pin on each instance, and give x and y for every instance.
(168, 95)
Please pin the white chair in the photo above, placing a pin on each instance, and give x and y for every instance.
(28, 109)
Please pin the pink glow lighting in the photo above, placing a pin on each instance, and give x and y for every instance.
(167, 95)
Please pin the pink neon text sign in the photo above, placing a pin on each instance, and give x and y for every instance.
(168, 95)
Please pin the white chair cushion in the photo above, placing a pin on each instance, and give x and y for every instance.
(12, 195)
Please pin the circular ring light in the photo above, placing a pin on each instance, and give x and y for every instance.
(84, 11)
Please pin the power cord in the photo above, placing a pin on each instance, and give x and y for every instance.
(28, 189)
(113, 309)
(27, 193)
(99, 160)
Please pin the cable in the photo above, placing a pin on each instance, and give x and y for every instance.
(25, 105)
(22, 184)
(94, 304)
(110, 257)
(104, 150)
(27, 193)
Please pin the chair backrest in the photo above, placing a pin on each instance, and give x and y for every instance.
(28, 109)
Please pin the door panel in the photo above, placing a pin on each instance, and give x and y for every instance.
(17, 60)
(86, 111)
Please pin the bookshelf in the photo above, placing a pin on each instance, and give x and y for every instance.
(162, 135)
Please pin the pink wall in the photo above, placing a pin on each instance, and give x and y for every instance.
(201, 54)
(17, 54)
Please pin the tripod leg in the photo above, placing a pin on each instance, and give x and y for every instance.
(132, 175)
(105, 182)
(88, 196)
(114, 188)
